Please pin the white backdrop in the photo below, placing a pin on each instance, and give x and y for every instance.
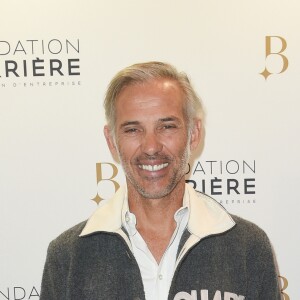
(51, 123)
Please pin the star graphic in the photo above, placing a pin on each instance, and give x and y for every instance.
(265, 73)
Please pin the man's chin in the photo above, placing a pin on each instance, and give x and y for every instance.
(155, 192)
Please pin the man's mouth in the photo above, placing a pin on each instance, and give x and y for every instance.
(152, 168)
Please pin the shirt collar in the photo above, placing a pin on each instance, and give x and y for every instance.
(129, 219)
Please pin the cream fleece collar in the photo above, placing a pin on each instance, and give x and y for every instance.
(207, 217)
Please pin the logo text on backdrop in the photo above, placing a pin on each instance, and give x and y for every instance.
(275, 61)
(38, 63)
(228, 181)
(106, 172)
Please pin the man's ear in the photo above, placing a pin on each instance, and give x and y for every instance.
(195, 134)
(110, 140)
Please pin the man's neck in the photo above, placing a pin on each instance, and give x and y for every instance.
(155, 217)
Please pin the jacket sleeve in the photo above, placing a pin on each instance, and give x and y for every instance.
(53, 285)
(264, 283)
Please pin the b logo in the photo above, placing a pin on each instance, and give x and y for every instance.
(284, 287)
(285, 63)
(100, 177)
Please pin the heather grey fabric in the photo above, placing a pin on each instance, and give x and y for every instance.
(234, 265)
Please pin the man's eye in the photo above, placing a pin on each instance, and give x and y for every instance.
(131, 130)
(169, 126)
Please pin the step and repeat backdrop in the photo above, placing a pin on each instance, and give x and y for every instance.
(56, 59)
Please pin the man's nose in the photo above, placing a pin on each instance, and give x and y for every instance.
(151, 144)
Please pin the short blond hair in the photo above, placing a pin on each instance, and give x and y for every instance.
(144, 72)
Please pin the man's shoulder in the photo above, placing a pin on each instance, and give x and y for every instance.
(68, 238)
(250, 233)
(247, 226)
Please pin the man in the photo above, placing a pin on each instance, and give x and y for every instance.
(157, 238)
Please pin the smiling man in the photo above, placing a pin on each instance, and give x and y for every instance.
(157, 238)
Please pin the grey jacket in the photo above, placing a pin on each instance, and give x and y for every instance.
(230, 259)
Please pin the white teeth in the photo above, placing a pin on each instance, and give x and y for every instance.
(153, 168)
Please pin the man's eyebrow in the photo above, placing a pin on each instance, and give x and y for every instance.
(127, 123)
(168, 119)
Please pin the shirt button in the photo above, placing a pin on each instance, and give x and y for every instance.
(160, 277)
(127, 219)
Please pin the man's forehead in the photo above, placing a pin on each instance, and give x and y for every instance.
(154, 101)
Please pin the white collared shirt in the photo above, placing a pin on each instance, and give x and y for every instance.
(156, 278)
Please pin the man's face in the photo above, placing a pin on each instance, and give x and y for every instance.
(151, 137)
